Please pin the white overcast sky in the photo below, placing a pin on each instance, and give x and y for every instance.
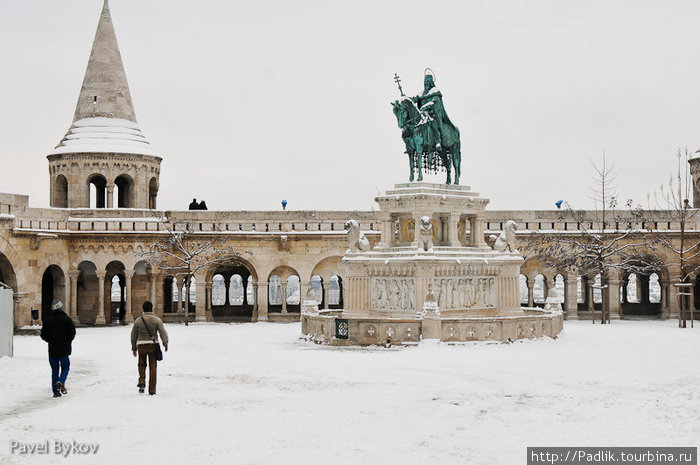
(253, 102)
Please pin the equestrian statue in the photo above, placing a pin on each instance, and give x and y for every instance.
(432, 141)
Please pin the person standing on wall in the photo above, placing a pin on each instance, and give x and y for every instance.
(59, 331)
(144, 344)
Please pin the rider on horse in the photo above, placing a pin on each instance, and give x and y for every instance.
(430, 101)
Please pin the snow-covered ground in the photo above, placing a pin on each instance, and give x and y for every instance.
(256, 394)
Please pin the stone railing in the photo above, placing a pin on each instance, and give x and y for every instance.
(15, 213)
(103, 220)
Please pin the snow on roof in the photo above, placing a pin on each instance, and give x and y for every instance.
(104, 135)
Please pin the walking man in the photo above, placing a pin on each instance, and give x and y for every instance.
(144, 337)
(59, 331)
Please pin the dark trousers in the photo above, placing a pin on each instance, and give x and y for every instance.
(64, 364)
(148, 351)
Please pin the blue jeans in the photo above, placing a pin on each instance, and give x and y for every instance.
(64, 363)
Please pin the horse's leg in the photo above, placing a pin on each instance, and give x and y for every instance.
(411, 157)
(446, 162)
(419, 159)
(457, 162)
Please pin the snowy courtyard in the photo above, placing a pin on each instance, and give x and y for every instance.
(257, 394)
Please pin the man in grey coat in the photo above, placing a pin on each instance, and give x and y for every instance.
(144, 340)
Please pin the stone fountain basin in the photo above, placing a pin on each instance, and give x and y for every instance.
(485, 324)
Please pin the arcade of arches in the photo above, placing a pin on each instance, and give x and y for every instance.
(89, 258)
(631, 295)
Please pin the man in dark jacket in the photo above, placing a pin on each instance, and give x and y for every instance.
(59, 331)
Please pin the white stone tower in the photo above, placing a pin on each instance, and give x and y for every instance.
(104, 148)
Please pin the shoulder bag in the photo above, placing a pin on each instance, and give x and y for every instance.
(159, 352)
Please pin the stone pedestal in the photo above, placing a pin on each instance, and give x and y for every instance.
(393, 281)
(427, 283)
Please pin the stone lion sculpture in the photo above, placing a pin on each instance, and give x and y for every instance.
(426, 234)
(357, 241)
(505, 242)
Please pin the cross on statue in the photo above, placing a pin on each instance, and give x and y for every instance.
(390, 331)
(370, 331)
(397, 80)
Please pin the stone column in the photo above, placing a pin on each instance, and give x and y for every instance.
(666, 296)
(416, 230)
(324, 286)
(244, 283)
(472, 232)
(453, 230)
(643, 289)
(255, 302)
(613, 295)
(589, 296)
(480, 225)
(530, 292)
(208, 311)
(73, 306)
(200, 305)
(128, 274)
(571, 297)
(180, 291)
(100, 320)
(387, 232)
(109, 203)
(284, 297)
(262, 298)
(154, 277)
(545, 286)
(227, 286)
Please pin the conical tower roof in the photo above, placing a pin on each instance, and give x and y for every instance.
(104, 120)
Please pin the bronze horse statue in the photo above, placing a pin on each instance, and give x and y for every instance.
(422, 141)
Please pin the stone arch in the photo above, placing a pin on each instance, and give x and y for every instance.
(99, 196)
(117, 306)
(539, 290)
(278, 291)
(234, 287)
(328, 284)
(53, 286)
(60, 192)
(88, 292)
(7, 272)
(635, 295)
(316, 285)
(524, 289)
(9, 278)
(335, 292)
(152, 193)
(559, 283)
(124, 185)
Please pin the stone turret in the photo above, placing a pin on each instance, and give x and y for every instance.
(104, 147)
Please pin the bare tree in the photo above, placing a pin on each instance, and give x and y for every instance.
(184, 253)
(606, 239)
(673, 198)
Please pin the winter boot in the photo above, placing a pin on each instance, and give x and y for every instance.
(61, 387)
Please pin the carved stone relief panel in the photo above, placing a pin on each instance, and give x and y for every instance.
(464, 293)
(394, 294)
